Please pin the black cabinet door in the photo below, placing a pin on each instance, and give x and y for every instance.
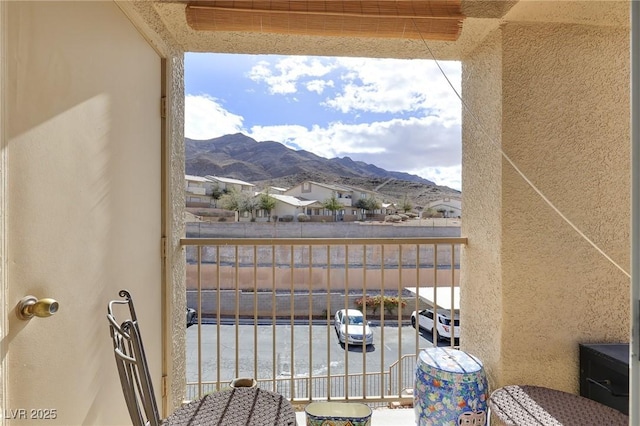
(604, 374)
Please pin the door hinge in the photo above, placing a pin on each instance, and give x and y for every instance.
(163, 107)
(164, 386)
(163, 248)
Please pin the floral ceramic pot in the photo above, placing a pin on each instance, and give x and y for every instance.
(338, 414)
(450, 389)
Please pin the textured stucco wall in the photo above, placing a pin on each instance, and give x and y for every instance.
(566, 126)
(560, 94)
(481, 273)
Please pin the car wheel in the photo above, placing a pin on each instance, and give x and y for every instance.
(413, 322)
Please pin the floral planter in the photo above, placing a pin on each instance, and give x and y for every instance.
(338, 414)
(450, 389)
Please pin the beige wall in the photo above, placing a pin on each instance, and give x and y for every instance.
(480, 263)
(556, 97)
(83, 123)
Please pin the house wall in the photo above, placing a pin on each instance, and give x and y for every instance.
(555, 98)
(283, 209)
(82, 123)
(312, 193)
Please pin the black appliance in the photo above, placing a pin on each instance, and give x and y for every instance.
(604, 374)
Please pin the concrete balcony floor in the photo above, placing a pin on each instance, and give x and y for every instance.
(380, 417)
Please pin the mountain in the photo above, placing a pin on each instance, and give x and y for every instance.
(271, 163)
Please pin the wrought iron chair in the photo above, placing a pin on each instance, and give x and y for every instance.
(243, 406)
(132, 365)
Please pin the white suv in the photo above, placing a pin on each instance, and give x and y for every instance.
(425, 322)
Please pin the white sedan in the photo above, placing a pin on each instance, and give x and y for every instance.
(425, 322)
(351, 328)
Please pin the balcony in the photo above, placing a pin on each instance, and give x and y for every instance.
(266, 310)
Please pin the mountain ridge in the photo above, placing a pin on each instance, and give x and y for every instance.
(271, 163)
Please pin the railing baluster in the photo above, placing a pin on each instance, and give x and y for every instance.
(382, 282)
(329, 393)
(310, 278)
(346, 306)
(255, 312)
(453, 302)
(292, 358)
(416, 299)
(434, 333)
(364, 313)
(273, 316)
(400, 260)
(218, 284)
(344, 385)
(237, 325)
(200, 394)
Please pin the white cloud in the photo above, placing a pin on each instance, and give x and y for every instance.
(445, 176)
(397, 86)
(283, 79)
(205, 118)
(318, 86)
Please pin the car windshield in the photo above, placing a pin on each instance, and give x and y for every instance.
(355, 320)
(447, 321)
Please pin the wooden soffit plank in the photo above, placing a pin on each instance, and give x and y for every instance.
(429, 20)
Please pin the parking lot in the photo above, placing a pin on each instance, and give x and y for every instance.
(298, 350)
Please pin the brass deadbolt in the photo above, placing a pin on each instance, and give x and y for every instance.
(29, 306)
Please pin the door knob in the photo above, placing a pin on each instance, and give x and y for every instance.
(29, 306)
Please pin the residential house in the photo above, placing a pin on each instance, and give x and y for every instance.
(277, 190)
(546, 89)
(345, 195)
(448, 207)
(388, 208)
(198, 191)
(228, 184)
(287, 205)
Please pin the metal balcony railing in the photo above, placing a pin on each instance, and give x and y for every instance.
(266, 310)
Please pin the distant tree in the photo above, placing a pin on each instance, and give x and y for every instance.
(239, 201)
(373, 204)
(362, 205)
(216, 193)
(406, 205)
(333, 205)
(268, 203)
(248, 203)
(230, 200)
(369, 204)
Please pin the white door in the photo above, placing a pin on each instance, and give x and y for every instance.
(81, 194)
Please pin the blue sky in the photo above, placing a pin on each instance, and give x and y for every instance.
(401, 115)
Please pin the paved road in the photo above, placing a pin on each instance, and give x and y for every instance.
(324, 356)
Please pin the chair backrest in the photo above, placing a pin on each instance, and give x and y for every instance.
(132, 365)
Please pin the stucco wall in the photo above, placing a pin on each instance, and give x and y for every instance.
(481, 272)
(83, 123)
(564, 117)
